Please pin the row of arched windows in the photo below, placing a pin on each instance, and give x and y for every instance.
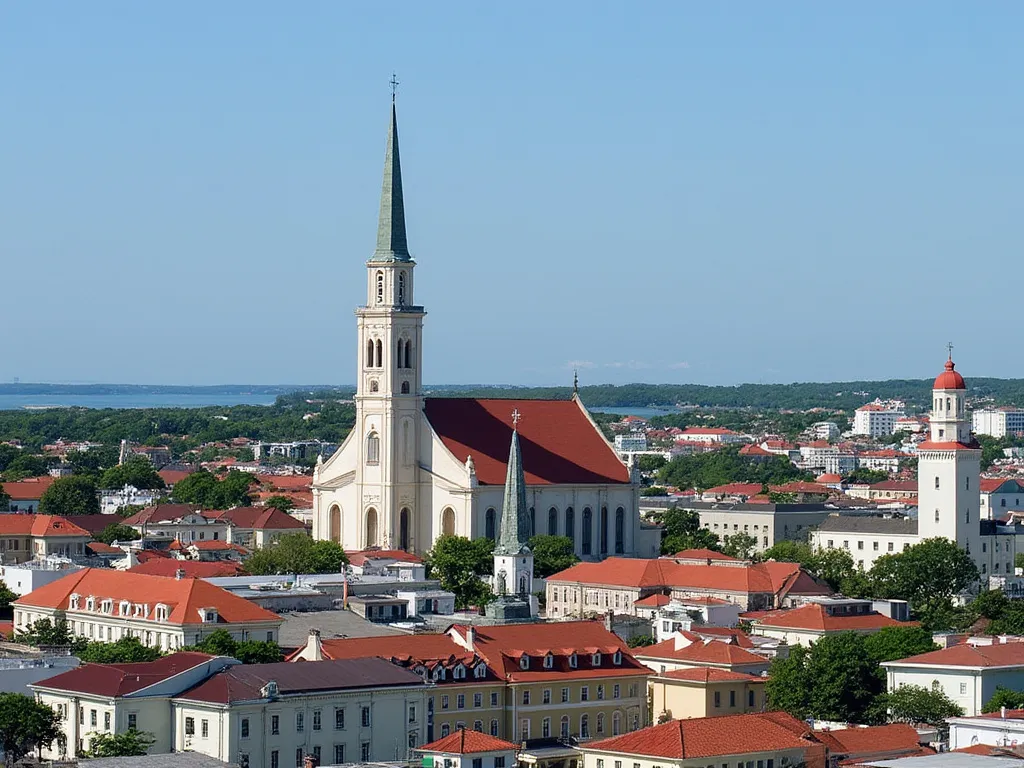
(371, 527)
(374, 354)
(404, 355)
(491, 527)
(401, 288)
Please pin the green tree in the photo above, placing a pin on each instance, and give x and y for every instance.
(5, 500)
(863, 475)
(640, 641)
(203, 489)
(297, 553)
(706, 470)
(917, 704)
(788, 551)
(1004, 697)
(653, 490)
(789, 684)
(458, 563)
(131, 743)
(26, 725)
(682, 530)
(27, 465)
(650, 462)
(282, 503)
(72, 495)
(221, 643)
(6, 597)
(928, 575)
(552, 554)
(835, 568)
(46, 632)
(740, 545)
(93, 461)
(137, 472)
(127, 650)
(117, 532)
(892, 643)
(845, 678)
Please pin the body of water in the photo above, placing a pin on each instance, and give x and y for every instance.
(139, 400)
(644, 412)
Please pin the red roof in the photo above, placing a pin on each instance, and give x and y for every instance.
(815, 616)
(704, 737)
(184, 597)
(829, 477)
(162, 513)
(735, 489)
(560, 445)
(39, 526)
(172, 476)
(464, 742)
(875, 740)
(194, 569)
(947, 445)
(652, 601)
(707, 431)
(258, 518)
(967, 655)
(711, 675)
(287, 482)
(754, 450)
(99, 548)
(703, 554)
(120, 679)
(702, 652)
(29, 489)
(94, 523)
(360, 557)
(800, 486)
(949, 378)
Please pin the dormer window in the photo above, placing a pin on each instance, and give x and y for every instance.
(208, 615)
(161, 612)
(617, 658)
(140, 610)
(73, 601)
(90, 603)
(524, 662)
(549, 661)
(439, 673)
(124, 608)
(480, 671)
(107, 606)
(573, 661)
(459, 673)
(596, 659)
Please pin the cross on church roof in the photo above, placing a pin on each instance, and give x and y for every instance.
(516, 416)
(949, 346)
(394, 86)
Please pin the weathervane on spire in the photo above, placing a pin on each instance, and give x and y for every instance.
(575, 381)
(949, 346)
(516, 416)
(394, 86)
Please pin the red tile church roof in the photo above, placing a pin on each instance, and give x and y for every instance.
(560, 444)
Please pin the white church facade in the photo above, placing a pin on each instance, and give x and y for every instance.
(415, 468)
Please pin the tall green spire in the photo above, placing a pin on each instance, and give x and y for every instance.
(391, 241)
(515, 516)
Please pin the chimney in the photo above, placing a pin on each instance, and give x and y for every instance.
(608, 616)
(179, 574)
(1002, 712)
(471, 639)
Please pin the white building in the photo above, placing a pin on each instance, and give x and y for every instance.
(998, 422)
(469, 749)
(999, 496)
(631, 443)
(1004, 728)
(825, 430)
(711, 435)
(113, 500)
(878, 418)
(22, 578)
(969, 673)
(415, 468)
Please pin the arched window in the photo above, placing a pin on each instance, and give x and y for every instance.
(335, 525)
(380, 354)
(565, 727)
(448, 522)
(552, 522)
(406, 444)
(372, 448)
(401, 288)
(408, 354)
(584, 727)
(405, 387)
(380, 287)
(369, 353)
(403, 529)
(588, 531)
(936, 515)
(489, 523)
(371, 527)
(400, 354)
(620, 531)
(600, 723)
(617, 723)
(604, 530)
(570, 524)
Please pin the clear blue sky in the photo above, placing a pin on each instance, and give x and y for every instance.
(665, 192)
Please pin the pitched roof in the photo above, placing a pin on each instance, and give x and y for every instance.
(162, 513)
(194, 569)
(702, 652)
(171, 476)
(121, 679)
(258, 518)
(815, 616)
(711, 736)
(967, 655)
(422, 648)
(711, 675)
(736, 489)
(244, 681)
(29, 489)
(560, 445)
(753, 449)
(184, 597)
(40, 526)
(829, 477)
(99, 548)
(993, 484)
(464, 742)
(94, 523)
(703, 554)
(360, 557)
(878, 739)
(652, 601)
(894, 526)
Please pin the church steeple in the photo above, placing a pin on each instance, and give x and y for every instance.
(515, 517)
(391, 239)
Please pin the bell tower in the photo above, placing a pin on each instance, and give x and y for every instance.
(389, 400)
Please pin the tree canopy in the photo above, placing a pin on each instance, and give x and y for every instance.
(130, 743)
(892, 643)
(1004, 697)
(74, 495)
(297, 553)
(917, 704)
(127, 650)
(26, 725)
(117, 532)
(136, 471)
(552, 554)
(221, 643)
(740, 545)
(682, 530)
(458, 563)
(282, 503)
(706, 470)
(203, 489)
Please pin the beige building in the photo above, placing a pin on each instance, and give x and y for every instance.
(28, 537)
(809, 623)
(189, 526)
(705, 692)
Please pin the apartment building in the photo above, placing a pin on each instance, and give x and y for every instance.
(28, 537)
(247, 527)
(877, 419)
(705, 692)
(997, 422)
(865, 538)
(163, 612)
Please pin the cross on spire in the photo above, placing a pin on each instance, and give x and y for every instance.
(394, 86)
(516, 416)
(949, 346)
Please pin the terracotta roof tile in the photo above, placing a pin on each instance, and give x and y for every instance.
(29, 489)
(359, 557)
(701, 652)
(40, 526)
(194, 569)
(711, 675)
(815, 616)
(560, 444)
(967, 655)
(464, 742)
(879, 739)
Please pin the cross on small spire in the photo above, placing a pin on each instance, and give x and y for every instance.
(394, 86)
(949, 346)
(516, 416)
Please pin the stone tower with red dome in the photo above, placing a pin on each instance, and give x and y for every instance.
(949, 469)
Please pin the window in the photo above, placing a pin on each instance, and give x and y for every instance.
(92, 717)
(494, 727)
(860, 545)
(300, 721)
(499, 762)
(524, 662)
(936, 515)
(372, 448)
(204, 728)
(445, 729)
(874, 546)
(316, 719)
(316, 754)
(380, 287)
(616, 691)
(401, 287)
(600, 723)
(365, 717)
(364, 751)
(526, 696)
(478, 700)
(732, 698)
(596, 660)
(549, 661)
(478, 762)
(299, 754)
(460, 702)
(600, 763)
(600, 692)
(275, 725)
(584, 727)
(106, 721)
(190, 726)
(545, 728)
(339, 719)
(890, 546)
(585, 693)
(444, 701)
(936, 482)
(750, 698)
(478, 726)
(718, 699)
(565, 695)
(524, 729)
(494, 698)
(963, 688)
(244, 728)
(573, 661)
(339, 753)
(133, 720)
(275, 759)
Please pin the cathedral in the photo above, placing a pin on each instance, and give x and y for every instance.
(415, 468)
